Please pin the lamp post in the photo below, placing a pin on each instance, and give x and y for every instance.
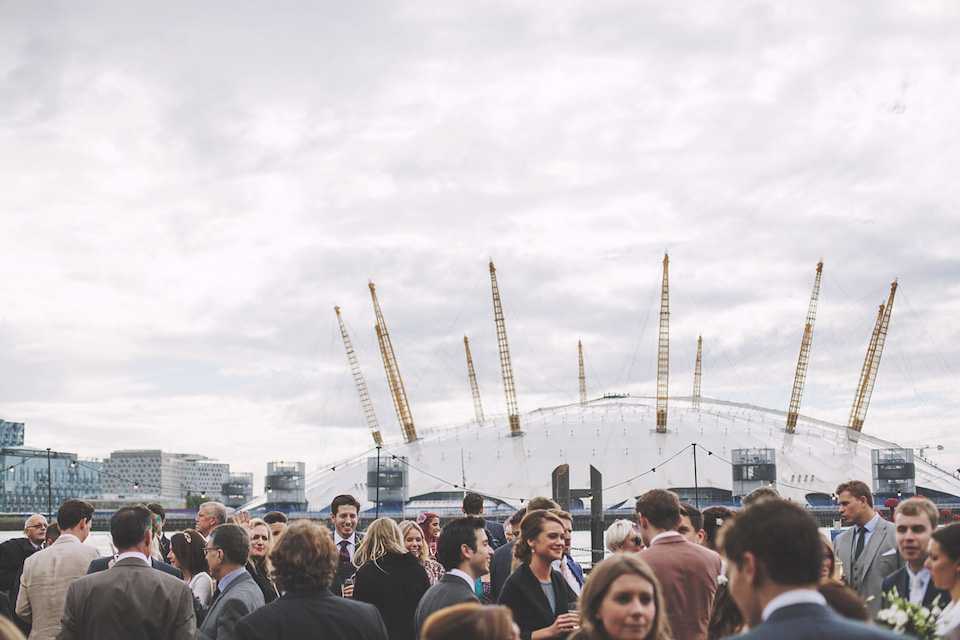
(49, 488)
(378, 482)
(696, 483)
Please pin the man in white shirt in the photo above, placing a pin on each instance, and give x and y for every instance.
(567, 566)
(345, 511)
(131, 599)
(774, 559)
(868, 549)
(464, 551)
(915, 521)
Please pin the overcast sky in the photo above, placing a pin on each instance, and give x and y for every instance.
(187, 189)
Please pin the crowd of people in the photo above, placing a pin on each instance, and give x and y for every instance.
(674, 573)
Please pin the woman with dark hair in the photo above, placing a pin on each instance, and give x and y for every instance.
(471, 621)
(713, 520)
(258, 566)
(725, 617)
(943, 561)
(538, 596)
(413, 542)
(304, 559)
(186, 554)
(389, 578)
(430, 524)
(622, 600)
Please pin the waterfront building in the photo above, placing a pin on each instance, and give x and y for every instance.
(237, 490)
(30, 482)
(285, 486)
(155, 475)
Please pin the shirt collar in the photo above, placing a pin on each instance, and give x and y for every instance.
(339, 538)
(67, 536)
(923, 574)
(870, 526)
(133, 554)
(789, 598)
(230, 577)
(462, 574)
(665, 534)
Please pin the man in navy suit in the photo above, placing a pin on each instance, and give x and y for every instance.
(567, 566)
(775, 557)
(473, 506)
(915, 521)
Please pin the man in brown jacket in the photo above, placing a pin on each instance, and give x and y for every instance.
(687, 572)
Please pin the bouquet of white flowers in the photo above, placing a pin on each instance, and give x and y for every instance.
(910, 619)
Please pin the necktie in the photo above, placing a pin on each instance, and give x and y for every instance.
(861, 538)
(916, 590)
(344, 553)
(216, 594)
(564, 570)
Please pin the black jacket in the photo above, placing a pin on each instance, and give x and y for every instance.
(259, 576)
(297, 615)
(531, 609)
(395, 589)
(13, 553)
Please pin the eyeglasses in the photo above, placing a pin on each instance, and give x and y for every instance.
(207, 550)
(37, 526)
(637, 540)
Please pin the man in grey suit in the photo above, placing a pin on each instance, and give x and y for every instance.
(464, 551)
(775, 556)
(129, 600)
(868, 550)
(237, 594)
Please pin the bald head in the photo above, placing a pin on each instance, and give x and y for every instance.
(35, 528)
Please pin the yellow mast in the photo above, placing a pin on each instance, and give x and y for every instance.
(868, 375)
(473, 383)
(397, 391)
(663, 352)
(361, 385)
(583, 377)
(696, 374)
(801, 374)
(506, 368)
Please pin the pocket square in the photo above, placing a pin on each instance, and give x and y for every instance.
(889, 553)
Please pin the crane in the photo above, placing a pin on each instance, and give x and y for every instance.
(397, 391)
(361, 385)
(663, 351)
(473, 383)
(583, 377)
(696, 374)
(801, 374)
(506, 368)
(868, 376)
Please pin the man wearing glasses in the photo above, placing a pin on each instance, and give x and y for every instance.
(14, 552)
(237, 593)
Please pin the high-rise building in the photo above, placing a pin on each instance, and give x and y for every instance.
(285, 486)
(237, 490)
(157, 475)
(37, 481)
(11, 434)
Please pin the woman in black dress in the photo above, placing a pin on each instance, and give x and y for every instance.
(538, 596)
(389, 578)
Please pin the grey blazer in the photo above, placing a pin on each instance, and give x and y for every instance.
(450, 590)
(880, 558)
(242, 596)
(130, 600)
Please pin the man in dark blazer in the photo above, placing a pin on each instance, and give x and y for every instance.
(774, 561)
(13, 553)
(307, 605)
(130, 600)
(464, 551)
(344, 511)
(237, 593)
(868, 549)
(102, 564)
(915, 521)
(473, 506)
(688, 572)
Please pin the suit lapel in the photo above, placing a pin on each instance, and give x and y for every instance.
(536, 591)
(873, 544)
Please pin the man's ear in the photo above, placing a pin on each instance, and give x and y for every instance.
(751, 569)
(148, 537)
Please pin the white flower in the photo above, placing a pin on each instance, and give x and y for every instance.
(885, 615)
(721, 579)
(900, 619)
(924, 613)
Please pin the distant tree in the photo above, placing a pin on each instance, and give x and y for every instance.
(194, 501)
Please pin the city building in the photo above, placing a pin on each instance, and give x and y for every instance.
(237, 490)
(152, 474)
(285, 486)
(38, 480)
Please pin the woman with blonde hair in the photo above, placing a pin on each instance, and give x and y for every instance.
(389, 578)
(622, 600)
(623, 536)
(414, 543)
(471, 621)
(258, 564)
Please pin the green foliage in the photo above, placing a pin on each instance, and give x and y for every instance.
(194, 501)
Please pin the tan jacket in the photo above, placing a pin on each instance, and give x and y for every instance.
(47, 575)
